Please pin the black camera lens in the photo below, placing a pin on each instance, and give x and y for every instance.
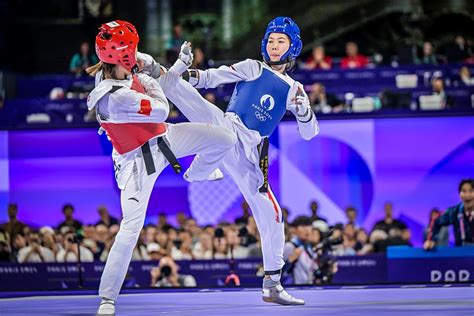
(219, 233)
(243, 231)
(165, 271)
(177, 243)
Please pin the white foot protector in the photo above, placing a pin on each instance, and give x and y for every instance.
(106, 308)
(214, 176)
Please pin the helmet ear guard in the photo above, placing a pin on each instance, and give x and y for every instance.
(287, 26)
(117, 43)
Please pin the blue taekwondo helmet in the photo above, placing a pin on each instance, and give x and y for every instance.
(285, 25)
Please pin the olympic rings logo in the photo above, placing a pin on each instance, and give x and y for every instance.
(260, 117)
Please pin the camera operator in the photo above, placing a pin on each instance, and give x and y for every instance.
(298, 253)
(70, 251)
(326, 242)
(235, 239)
(166, 275)
(35, 252)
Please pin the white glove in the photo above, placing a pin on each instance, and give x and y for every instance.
(186, 54)
(300, 107)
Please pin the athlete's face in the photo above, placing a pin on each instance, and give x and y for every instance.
(278, 44)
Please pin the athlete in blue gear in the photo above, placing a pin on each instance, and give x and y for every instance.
(262, 95)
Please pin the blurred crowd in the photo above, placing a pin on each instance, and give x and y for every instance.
(186, 240)
(308, 237)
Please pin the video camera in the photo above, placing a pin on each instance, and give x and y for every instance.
(325, 261)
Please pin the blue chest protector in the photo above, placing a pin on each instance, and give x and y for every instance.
(260, 103)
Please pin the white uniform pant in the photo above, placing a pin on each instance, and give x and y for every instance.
(184, 139)
(245, 173)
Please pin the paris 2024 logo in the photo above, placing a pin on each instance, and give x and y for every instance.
(267, 103)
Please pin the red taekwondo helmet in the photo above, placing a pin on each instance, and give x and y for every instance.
(116, 44)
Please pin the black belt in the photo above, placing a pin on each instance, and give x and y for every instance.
(165, 150)
(264, 164)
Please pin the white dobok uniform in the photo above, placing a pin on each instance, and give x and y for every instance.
(132, 113)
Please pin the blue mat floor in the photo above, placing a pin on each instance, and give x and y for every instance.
(411, 300)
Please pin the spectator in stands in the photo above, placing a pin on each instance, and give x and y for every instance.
(203, 248)
(181, 219)
(192, 227)
(350, 230)
(150, 233)
(162, 220)
(314, 207)
(389, 222)
(5, 249)
(351, 214)
(347, 248)
(105, 218)
(318, 59)
(34, 252)
(140, 252)
(252, 232)
(465, 76)
(69, 221)
(443, 234)
(14, 226)
(200, 61)
(362, 241)
(101, 235)
(82, 59)
(461, 216)
(174, 44)
(182, 246)
(153, 251)
(166, 275)
(322, 101)
(428, 55)
(19, 242)
(353, 59)
(164, 242)
(70, 251)
(459, 50)
(221, 247)
(244, 219)
(235, 244)
(107, 246)
(47, 239)
(437, 85)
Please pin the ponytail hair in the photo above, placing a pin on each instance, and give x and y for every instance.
(108, 70)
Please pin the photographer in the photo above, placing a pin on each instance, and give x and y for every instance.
(235, 240)
(35, 252)
(70, 251)
(298, 253)
(166, 275)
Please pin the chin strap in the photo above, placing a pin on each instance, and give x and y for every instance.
(276, 63)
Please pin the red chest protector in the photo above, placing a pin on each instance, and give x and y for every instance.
(126, 137)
